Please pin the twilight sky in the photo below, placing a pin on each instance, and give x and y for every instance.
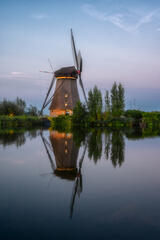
(119, 41)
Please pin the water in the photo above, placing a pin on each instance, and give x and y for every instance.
(96, 185)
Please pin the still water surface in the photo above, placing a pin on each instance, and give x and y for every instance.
(99, 185)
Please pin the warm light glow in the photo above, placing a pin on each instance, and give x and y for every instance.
(66, 78)
(57, 112)
(58, 135)
(66, 169)
(66, 151)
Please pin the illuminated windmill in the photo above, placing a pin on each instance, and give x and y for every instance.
(65, 95)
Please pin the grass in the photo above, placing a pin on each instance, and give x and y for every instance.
(133, 119)
(8, 122)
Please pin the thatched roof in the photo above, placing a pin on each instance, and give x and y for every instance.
(66, 71)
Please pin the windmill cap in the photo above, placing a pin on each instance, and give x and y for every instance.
(66, 72)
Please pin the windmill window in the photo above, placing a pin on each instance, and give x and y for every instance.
(66, 151)
(66, 95)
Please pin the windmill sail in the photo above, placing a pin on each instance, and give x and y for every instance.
(81, 84)
(50, 64)
(56, 92)
(50, 87)
(78, 63)
(74, 50)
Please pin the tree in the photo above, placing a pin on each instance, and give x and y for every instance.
(95, 103)
(114, 99)
(79, 113)
(121, 98)
(117, 99)
(107, 102)
(16, 107)
(20, 103)
(32, 111)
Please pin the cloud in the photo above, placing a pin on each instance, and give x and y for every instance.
(119, 20)
(28, 78)
(38, 16)
(17, 73)
(145, 19)
(91, 11)
(158, 29)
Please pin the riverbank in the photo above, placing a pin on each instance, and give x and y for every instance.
(26, 122)
(130, 120)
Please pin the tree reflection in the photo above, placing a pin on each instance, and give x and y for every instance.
(33, 133)
(114, 147)
(95, 144)
(117, 148)
(15, 137)
(141, 133)
(107, 144)
(79, 136)
(12, 138)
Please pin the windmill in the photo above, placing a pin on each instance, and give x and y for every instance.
(65, 95)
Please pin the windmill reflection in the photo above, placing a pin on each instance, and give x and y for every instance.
(66, 154)
(78, 187)
(63, 154)
(64, 163)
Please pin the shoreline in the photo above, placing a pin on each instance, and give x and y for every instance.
(65, 122)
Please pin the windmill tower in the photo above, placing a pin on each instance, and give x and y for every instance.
(65, 95)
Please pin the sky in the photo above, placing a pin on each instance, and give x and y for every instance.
(119, 41)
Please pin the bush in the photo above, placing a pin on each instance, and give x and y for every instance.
(20, 122)
(151, 116)
(80, 113)
(61, 123)
(16, 107)
(136, 114)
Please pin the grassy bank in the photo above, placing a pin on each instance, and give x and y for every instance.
(130, 120)
(8, 122)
